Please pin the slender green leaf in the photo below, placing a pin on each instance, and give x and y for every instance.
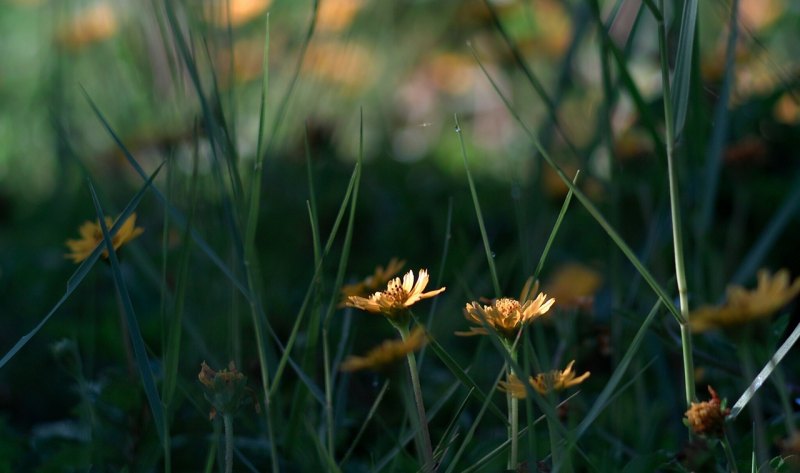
(139, 350)
(478, 214)
(554, 231)
(683, 66)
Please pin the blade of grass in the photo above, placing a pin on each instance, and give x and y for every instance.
(478, 214)
(603, 399)
(765, 373)
(475, 422)
(683, 66)
(782, 217)
(500, 449)
(720, 132)
(404, 440)
(451, 432)
(80, 273)
(588, 205)
(365, 422)
(140, 352)
(554, 231)
(324, 455)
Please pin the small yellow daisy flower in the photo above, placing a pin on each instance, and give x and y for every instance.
(544, 383)
(742, 306)
(398, 296)
(225, 389)
(508, 315)
(386, 353)
(372, 283)
(707, 417)
(92, 235)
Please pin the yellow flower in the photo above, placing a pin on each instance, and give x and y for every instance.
(235, 12)
(772, 293)
(708, 417)
(544, 383)
(508, 315)
(372, 283)
(336, 15)
(574, 285)
(386, 353)
(91, 25)
(92, 235)
(398, 296)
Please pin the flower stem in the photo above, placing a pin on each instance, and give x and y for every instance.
(227, 420)
(674, 201)
(513, 417)
(424, 435)
(726, 446)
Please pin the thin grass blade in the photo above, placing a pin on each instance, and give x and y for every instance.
(139, 350)
(683, 66)
(765, 373)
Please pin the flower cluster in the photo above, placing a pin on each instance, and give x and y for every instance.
(707, 417)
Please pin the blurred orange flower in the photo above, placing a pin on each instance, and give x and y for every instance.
(91, 25)
(336, 15)
(234, 12)
(386, 353)
(742, 306)
(574, 285)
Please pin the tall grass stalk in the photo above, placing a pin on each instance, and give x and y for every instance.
(674, 203)
(424, 435)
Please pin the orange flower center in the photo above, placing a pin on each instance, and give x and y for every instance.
(507, 306)
(395, 292)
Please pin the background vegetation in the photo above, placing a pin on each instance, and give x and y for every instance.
(276, 182)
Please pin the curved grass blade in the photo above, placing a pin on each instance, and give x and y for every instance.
(479, 215)
(77, 277)
(554, 231)
(765, 373)
(139, 350)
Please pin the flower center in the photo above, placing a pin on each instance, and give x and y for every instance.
(395, 292)
(507, 306)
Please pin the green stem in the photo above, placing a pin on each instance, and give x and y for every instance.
(513, 417)
(424, 435)
(726, 446)
(227, 420)
(674, 203)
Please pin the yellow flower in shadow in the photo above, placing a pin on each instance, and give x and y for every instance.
(707, 417)
(92, 235)
(91, 25)
(335, 15)
(543, 383)
(398, 296)
(386, 353)
(508, 315)
(574, 285)
(235, 12)
(225, 389)
(742, 306)
(372, 283)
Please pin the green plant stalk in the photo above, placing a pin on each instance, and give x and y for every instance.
(227, 420)
(726, 447)
(424, 435)
(674, 203)
(513, 416)
(328, 392)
